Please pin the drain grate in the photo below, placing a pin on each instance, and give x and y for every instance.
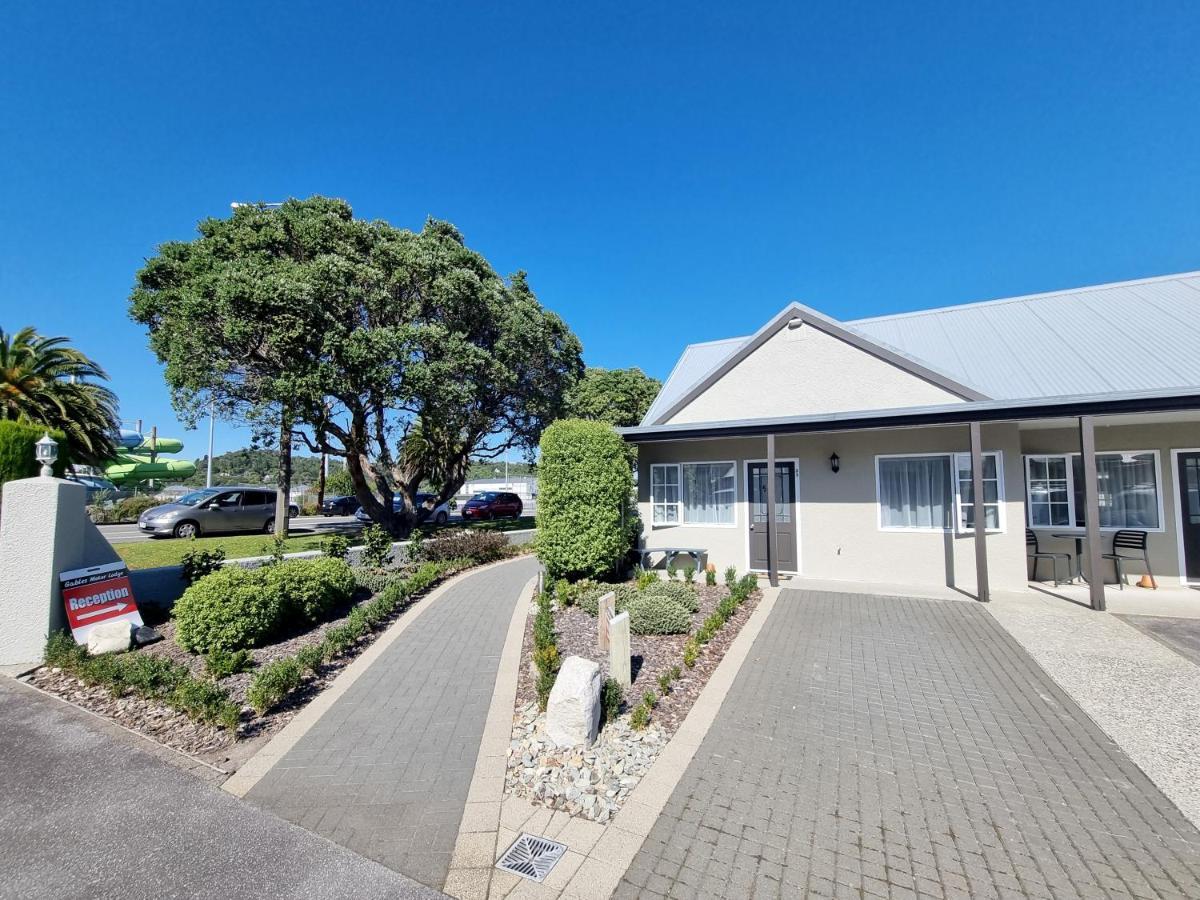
(531, 857)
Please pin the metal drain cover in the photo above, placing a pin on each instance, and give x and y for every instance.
(532, 857)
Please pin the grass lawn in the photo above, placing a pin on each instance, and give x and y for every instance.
(170, 551)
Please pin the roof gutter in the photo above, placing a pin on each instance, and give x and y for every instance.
(953, 414)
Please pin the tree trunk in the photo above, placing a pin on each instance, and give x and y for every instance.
(321, 483)
(283, 496)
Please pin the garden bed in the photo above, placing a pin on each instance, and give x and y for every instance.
(606, 772)
(223, 747)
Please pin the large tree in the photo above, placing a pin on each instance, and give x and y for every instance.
(45, 381)
(403, 353)
(619, 397)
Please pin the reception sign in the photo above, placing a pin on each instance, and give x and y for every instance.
(97, 594)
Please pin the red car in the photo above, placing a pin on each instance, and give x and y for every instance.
(492, 505)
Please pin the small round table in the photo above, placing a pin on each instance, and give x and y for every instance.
(1079, 538)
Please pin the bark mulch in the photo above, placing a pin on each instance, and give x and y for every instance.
(652, 655)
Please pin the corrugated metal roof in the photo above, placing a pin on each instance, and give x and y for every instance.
(1111, 338)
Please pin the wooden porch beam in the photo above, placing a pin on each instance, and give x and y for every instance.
(1091, 511)
(772, 554)
(982, 590)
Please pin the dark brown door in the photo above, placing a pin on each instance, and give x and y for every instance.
(1189, 512)
(785, 515)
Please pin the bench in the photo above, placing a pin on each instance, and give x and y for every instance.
(672, 554)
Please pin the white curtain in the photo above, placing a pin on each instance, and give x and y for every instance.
(708, 493)
(916, 492)
(1127, 490)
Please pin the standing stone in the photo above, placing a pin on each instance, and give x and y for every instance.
(619, 662)
(110, 637)
(573, 713)
(607, 609)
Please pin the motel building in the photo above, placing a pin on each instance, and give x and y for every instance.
(1065, 423)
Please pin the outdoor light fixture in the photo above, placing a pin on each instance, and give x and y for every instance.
(835, 462)
(46, 452)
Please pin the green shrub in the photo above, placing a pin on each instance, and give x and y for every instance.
(676, 673)
(588, 594)
(311, 658)
(564, 593)
(223, 663)
(691, 650)
(17, 453)
(705, 632)
(377, 547)
(310, 588)
(730, 576)
(657, 615)
(671, 570)
(545, 648)
(728, 606)
(374, 580)
(273, 683)
(585, 518)
(683, 594)
(750, 583)
(644, 577)
(478, 546)
(336, 546)
(610, 700)
(197, 563)
(649, 699)
(710, 576)
(689, 574)
(664, 683)
(205, 702)
(338, 640)
(129, 509)
(639, 718)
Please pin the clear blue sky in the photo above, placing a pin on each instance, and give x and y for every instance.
(666, 174)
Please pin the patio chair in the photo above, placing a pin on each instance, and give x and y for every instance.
(1031, 540)
(1130, 540)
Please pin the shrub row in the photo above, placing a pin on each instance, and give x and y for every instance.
(235, 608)
(274, 682)
(545, 648)
(147, 675)
(481, 546)
(654, 606)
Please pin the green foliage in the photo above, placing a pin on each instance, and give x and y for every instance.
(223, 663)
(273, 682)
(588, 594)
(276, 548)
(644, 577)
(377, 547)
(199, 562)
(676, 673)
(619, 397)
(339, 483)
(16, 450)
(650, 699)
(545, 648)
(236, 608)
(657, 615)
(710, 577)
(640, 717)
(730, 576)
(610, 700)
(311, 658)
(336, 546)
(374, 580)
(689, 574)
(691, 650)
(680, 593)
(254, 465)
(149, 675)
(585, 518)
(664, 683)
(51, 385)
(563, 593)
(671, 570)
(129, 509)
(480, 546)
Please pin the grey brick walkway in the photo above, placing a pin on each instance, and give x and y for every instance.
(885, 747)
(385, 772)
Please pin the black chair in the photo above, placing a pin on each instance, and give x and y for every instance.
(1032, 541)
(1130, 540)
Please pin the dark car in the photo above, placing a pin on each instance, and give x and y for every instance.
(492, 505)
(339, 506)
(439, 515)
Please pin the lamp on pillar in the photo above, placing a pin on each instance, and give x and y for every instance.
(46, 452)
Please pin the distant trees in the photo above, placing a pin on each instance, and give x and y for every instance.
(45, 381)
(619, 397)
(253, 466)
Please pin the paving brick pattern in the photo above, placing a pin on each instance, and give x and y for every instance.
(386, 771)
(888, 747)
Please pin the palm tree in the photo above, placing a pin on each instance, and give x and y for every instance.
(44, 380)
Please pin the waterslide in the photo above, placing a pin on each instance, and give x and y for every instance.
(133, 463)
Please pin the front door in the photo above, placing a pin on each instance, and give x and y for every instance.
(1189, 511)
(785, 515)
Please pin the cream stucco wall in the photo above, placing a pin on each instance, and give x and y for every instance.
(1163, 438)
(805, 371)
(838, 514)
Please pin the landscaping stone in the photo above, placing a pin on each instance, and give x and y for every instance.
(144, 635)
(573, 712)
(109, 637)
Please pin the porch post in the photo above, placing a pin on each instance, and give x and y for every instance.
(1091, 511)
(772, 554)
(982, 591)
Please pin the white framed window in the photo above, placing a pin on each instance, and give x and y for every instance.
(700, 493)
(1129, 489)
(932, 492)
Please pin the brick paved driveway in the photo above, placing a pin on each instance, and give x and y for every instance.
(886, 747)
(386, 770)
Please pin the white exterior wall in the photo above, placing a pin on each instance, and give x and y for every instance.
(805, 371)
(838, 514)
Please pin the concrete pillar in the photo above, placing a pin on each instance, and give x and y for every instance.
(607, 609)
(620, 665)
(44, 530)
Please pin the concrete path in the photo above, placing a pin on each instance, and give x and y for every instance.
(386, 770)
(888, 747)
(88, 810)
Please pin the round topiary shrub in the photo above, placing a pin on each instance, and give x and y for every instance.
(585, 518)
(310, 588)
(657, 615)
(227, 610)
(683, 594)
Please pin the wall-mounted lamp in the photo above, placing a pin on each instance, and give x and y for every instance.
(835, 462)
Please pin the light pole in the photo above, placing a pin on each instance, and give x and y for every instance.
(212, 421)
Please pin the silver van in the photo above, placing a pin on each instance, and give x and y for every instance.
(212, 510)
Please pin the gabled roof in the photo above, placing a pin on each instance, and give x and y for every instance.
(1111, 338)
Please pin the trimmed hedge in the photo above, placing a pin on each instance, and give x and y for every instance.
(585, 519)
(16, 450)
(236, 608)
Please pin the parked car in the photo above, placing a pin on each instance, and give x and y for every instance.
(492, 505)
(440, 515)
(340, 506)
(212, 510)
